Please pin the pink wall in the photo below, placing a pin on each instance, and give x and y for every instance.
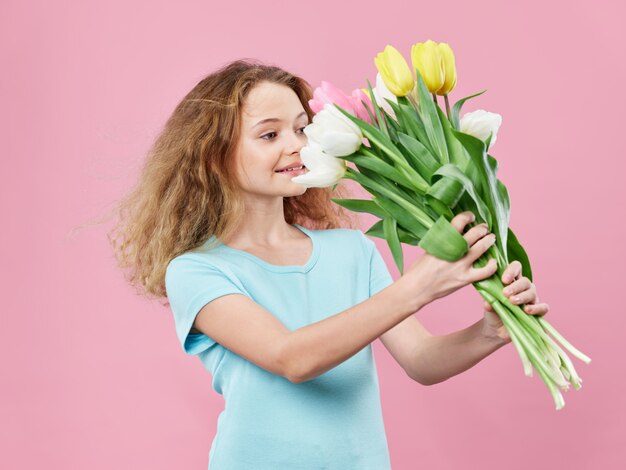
(92, 375)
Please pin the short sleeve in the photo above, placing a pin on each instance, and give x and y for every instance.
(380, 277)
(190, 284)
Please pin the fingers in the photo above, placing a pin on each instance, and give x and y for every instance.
(521, 288)
(488, 270)
(537, 309)
(476, 233)
(459, 221)
(480, 246)
(524, 292)
(513, 271)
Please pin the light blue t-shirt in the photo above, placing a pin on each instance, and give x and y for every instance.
(333, 421)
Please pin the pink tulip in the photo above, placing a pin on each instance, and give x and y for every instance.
(357, 95)
(329, 93)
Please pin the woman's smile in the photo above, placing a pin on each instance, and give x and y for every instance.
(293, 172)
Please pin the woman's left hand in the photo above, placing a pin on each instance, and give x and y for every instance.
(520, 291)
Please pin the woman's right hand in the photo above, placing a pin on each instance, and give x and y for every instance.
(437, 277)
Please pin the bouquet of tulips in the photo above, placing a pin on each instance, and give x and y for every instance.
(423, 167)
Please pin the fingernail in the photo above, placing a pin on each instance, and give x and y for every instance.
(507, 290)
(515, 299)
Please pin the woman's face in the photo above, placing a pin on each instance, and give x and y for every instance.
(272, 135)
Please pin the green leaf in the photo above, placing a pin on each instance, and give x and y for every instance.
(392, 126)
(431, 121)
(372, 162)
(493, 192)
(457, 152)
(403, 217)
(474, 175)
(379, 118)
(376, 230)
(456, 109)
(444, 195)
(418, 156)
(516, 252)
(360, 205)
(391, 234)
(444, 241)
(369, 112)
(482, 212)
(376, 136)
(409, 119)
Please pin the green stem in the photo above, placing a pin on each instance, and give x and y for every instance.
(574, 379)
(493, 286)
(563, 341)
(556, 394)
(503, 314)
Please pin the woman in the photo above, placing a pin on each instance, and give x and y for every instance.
(275, 291)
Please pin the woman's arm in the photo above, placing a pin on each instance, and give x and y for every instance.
(437, 358)
(249, 330)
(316, 348)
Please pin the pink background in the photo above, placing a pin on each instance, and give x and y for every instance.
(92, 374)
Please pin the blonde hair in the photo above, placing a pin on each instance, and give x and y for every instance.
(187, 189)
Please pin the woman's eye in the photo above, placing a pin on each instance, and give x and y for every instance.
(269, 135)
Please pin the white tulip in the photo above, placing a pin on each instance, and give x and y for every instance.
(380, 92)
(324, 170)
(480, 124)
(336, 134)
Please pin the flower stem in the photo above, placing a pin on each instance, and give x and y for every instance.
(563, 341)
(556, 394)
(520, 325)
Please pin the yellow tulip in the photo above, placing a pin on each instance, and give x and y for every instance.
(427, 58)
(449, 68)
(394, 71)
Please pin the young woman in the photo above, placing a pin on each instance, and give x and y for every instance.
(273, 288)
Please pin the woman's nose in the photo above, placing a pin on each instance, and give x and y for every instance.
(296, 142)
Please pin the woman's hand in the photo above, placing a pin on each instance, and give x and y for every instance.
(430, 277)
(520, 291)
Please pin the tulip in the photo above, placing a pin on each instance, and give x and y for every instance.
(361, 112)
(427, 58)
(333, 132)
(381, 92)
(449, 69)
(329, 93)
(395, 71)
(480, 124)
(324, 170)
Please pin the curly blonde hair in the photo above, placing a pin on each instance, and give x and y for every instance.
(187, 189)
